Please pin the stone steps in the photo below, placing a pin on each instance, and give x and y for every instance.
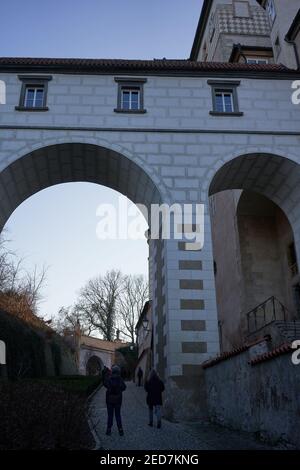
(289, 330)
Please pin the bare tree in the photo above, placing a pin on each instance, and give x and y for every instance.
(67, 319)
(32, 286)
(10, 267)
(131, 300)
(98, 303)
(21, 291)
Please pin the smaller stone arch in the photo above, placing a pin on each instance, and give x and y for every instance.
(94, 365)
(241, 153)
(273, 176)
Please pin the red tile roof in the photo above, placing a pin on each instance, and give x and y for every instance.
(122, 65)
(235, 352)
(279, 351)
(224, 356)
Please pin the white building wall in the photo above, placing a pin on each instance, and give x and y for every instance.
(181, 147)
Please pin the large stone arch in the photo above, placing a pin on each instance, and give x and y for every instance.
(75, 161)
(66, 138)
(41, 164)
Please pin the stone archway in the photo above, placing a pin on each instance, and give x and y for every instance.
(73, 162)
(94, 365)
(61, 161)
(76, 162)
(252, 197)
(273, 176)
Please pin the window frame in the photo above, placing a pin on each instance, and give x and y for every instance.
(235, 8)
(257, 60)
(277, 47)
(130, 91)
(268, 9)
(218, 86)
(35, 82)
(130, 84)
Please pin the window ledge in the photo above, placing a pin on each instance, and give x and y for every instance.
(234, 114)
(130, 111)
(25, 108)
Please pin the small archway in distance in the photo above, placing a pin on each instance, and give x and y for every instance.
(94, 366)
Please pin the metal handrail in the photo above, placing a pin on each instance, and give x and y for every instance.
(267, 317)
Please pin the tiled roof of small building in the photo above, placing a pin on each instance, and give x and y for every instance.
(279, 351)
(224, 356)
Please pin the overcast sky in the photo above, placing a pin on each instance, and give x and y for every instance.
(57, 227)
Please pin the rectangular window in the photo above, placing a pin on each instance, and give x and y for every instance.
(224, 98)
(224, 101)
(257, 61)
(130, 95)
(292, 259)
(271, 10)
(33, 95)
(277, 47)
(130, 99)
(241, 9)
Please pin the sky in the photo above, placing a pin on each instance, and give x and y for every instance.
(56, 228)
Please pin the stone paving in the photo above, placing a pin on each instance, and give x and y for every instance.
(172, 436)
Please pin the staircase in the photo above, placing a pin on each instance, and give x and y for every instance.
(288, 330)
(272, 318)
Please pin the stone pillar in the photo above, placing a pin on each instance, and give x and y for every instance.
(191, 326)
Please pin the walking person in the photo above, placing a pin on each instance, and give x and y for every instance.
(104, 374)
(154, 387)
(115, 388)
(140, 376)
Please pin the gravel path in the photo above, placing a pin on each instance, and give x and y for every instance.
(172, 436)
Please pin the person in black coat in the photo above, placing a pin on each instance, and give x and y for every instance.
(104, 374)
(115, 387)
(140, 376)
(154, 387)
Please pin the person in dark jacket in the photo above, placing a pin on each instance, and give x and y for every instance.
(115, 387)
(140, 376)
(104, 374)
(154, 387)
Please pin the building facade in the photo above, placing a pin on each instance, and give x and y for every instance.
(144, 339)
(253, 31)
(157, 131)
(259, 266)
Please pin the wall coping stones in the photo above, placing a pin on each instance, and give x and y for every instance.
(235, 352)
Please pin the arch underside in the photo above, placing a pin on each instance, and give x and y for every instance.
(275, 177)
(257, 219)
(73, 162)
